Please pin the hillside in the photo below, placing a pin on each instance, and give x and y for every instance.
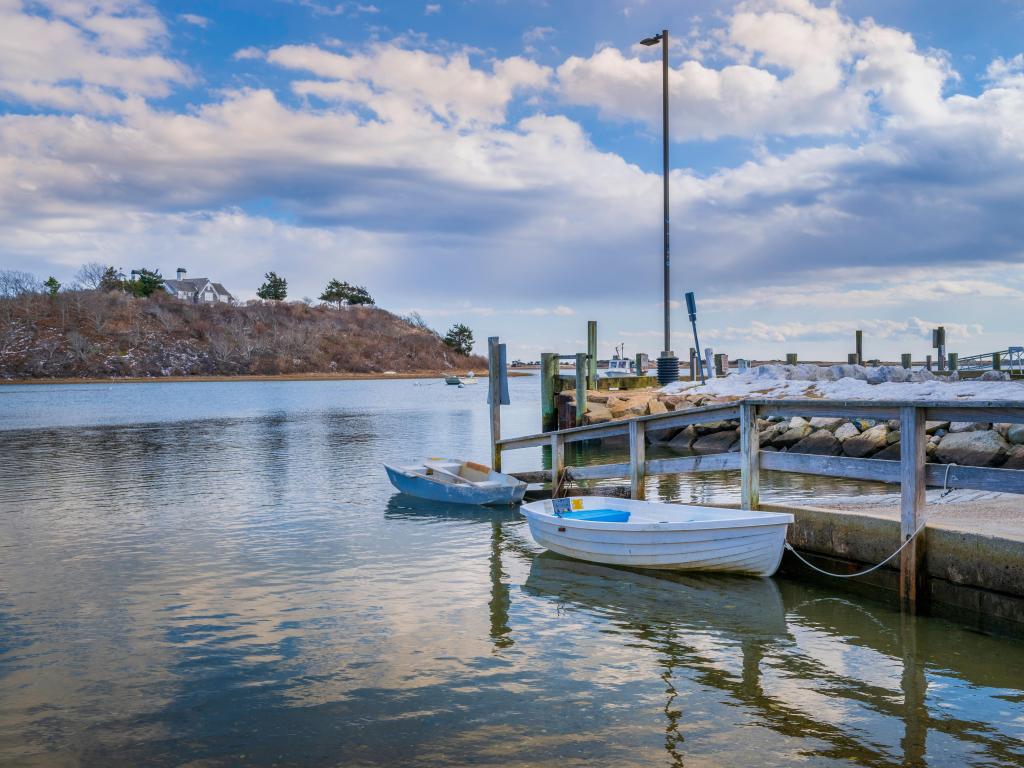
(84, 334)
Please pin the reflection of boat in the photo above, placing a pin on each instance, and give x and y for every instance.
(742, 606)
(457, 482)
(469, 378)
(645, 534)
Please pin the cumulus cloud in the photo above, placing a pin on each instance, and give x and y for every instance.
(97, 58)
(795, 69)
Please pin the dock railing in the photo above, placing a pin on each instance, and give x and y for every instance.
(912, 472)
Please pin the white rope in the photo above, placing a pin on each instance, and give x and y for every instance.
(945, 479)
(859, 573)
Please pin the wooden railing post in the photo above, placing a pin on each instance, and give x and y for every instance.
(548, 375)
(494, 374)
(913, 572)
(750, 458)
(591, 354)
(581, 387)
(637, 459)
(557, 464)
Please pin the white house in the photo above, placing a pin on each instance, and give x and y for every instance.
(198, 290)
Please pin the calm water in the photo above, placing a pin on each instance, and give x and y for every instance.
(214, 574)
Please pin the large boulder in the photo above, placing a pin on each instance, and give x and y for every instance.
(867, 442)
(969, 426)
(714, 426)
(656, 407)
(846, 431)
(635, 406)
(797, 422)
(885, 373)
(978, 449)
(891, 452)
(792, 436)
(822, 443)
(931, 427)
(717, 442)
(1015, 457)
(596, 414)
(825, 422)
(684, 438)
(1015, 434)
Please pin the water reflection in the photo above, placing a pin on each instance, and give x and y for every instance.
(245, 587)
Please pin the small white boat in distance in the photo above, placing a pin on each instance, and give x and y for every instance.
(457, 482)
(643, 534)
(469, 378)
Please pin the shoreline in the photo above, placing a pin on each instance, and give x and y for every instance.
(244, 377)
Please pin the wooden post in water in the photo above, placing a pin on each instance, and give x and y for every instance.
(548, 377)
(639, 364)
(557, 464)
(494, 373)
(721, 364)
(637, 458)
(591, 354)
(791, 358)
(954, 361)
(913, 572)
(859, 343)
(997, 362)
(581, 387)
(906, 360)
(750, 458)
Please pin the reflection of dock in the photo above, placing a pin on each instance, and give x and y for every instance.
(848, 683)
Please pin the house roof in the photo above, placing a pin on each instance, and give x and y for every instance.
(194, 285)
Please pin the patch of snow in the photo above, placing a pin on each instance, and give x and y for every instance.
(849, 382)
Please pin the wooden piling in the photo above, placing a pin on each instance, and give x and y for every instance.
(750, 460)
(494, 373)
(851, 359)
(721, 364)
(637, 459)
(997, 362)
(581, 387)
(859, 344)
(557, 464)
(906, 361)
(694, 362)
(639, 364)
(928, 362)
(791, 358)
(913, 593)
(548, 390)
(954, 361)
(591, 354)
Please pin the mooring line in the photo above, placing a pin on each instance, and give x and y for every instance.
(803, 560)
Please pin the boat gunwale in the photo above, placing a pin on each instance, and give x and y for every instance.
(751, 519)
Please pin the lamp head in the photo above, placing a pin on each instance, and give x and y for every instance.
(651, 40)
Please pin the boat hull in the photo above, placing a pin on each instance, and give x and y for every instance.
(450, 493)
(725, 541)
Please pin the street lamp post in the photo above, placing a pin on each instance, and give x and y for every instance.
(668, 363)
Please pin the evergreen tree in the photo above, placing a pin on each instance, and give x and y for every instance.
(460, 338)
(52, 285)
(274, 289)
(146, 283)
(110, 280)
(341, 293)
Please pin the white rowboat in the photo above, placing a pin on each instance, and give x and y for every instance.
(457, 482)
(643, 534)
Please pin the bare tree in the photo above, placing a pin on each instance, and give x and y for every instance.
(14, 283)
(90, 276)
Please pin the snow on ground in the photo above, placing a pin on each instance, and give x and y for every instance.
(849, 382)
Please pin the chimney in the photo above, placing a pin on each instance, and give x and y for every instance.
(181, 273)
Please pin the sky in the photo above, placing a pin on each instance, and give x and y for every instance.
(856, 165)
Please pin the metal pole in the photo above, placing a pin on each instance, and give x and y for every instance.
(664, 178)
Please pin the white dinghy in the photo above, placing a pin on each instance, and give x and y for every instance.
(643, 534)
(457, 482)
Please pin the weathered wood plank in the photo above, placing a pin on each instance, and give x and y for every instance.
(750, 447)
(637, 459)
(975, 478)
(881, 470)
(838, 408)
(598, 471)
(969, 413)
(712, 462)
(913, 590)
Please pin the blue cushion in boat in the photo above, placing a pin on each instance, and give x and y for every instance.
(598, 515)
